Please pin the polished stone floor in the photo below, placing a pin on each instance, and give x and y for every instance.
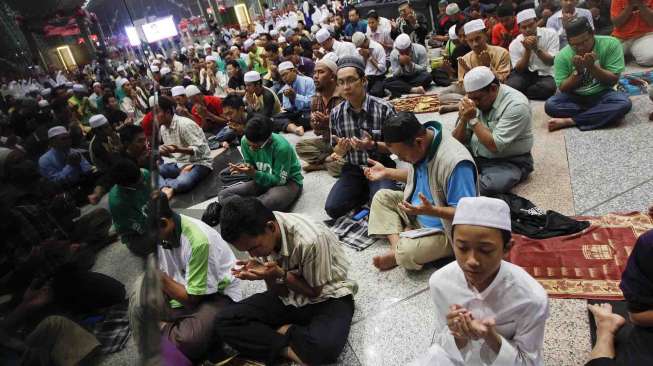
(575, 173)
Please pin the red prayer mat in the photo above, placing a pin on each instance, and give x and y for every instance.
(585, 265)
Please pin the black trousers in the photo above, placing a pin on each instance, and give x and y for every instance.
(634, 350)
(280, 121)
(399, 85)
(376, 85)
(532, 85)
(318, 333)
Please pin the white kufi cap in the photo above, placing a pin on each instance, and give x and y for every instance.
(286, 65)
(474, 26)
(402, 41)
(152, 101)
(322, 35)
(252, 76)
(248, 43)
(192, 90)
(154, 68)
(358, 38)
(483, 211)
(478, 78)
(79, 88)
(452, 33)
(56, 131)
(525, 14)
(211, 58)
(178, 90)
(97, 120)
(165, 70)
(452, 9)
(43, 103)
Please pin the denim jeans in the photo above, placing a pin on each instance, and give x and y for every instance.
(170, 176)
(589, 112)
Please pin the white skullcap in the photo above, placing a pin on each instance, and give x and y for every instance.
(477, 78)
(274, 33)
(328, 63)
(474, 26)
(154, 68)
(122, 81)
(286, 65)
(97, 120)
(211, 58)
(525, 14)
(158, 55)
(322, 35)
(192, 90)
(483, 211)
(358, 38)
(156, 62)
(79, 88)
(43, 103)
(248, 43)
(165, 70)
(452, 9)
(120, 68)
(252, 76)
(183, 50)
(152, 101)
(281, 39)
(178, 90)
(46, 91)
(206, 45)
(96, 84)
(331, 56)
(402, 41)
(452, 33)
(56, 131)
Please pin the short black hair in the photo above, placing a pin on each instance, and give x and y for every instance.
(577, 26)
(288, 50)
(258, 128)
(125, 172)
(372, 14)
(355, 10)
(234, 64)
(505, 9)
(272, 48)
(267, 36)
(243, 216)
(402, 127)
(233, 100)
(128, 133)
(160, 203)
(167, 104)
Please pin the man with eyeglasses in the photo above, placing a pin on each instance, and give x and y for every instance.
(586, 71)
(271, 163)
(358, 121)
(495, 125)
(411, 72)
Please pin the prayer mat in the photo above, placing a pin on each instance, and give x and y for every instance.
(636, 83)
(351, 232)
(417, 104)
(113, 331)
(584, 265)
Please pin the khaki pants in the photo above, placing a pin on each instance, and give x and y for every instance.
(387, 218)
(59, 341)
(315, 151)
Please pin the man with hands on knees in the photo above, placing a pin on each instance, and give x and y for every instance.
(488, 311)
(495, 125)
(305, 314)
(442, 171)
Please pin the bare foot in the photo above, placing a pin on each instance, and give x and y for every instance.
(560, 123)
(313, 167)
(283, 329)
(417, 90)
(605, 319)
(299, 131)
(169, 192)
(385, 262)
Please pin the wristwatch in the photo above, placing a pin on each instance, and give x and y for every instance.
(283, 279)
(472, 123)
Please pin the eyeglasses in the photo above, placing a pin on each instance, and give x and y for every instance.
(348, 82)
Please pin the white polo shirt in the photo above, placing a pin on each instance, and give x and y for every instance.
(547, 40)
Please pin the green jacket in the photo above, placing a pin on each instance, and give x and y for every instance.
(276, 162)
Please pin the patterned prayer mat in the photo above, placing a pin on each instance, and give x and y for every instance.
(585, 265)
(417, 104)
(636, 83)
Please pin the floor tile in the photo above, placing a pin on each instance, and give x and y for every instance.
(567, 333)
(348, 357)
(395, 336)
(118, 262)
(637, 199)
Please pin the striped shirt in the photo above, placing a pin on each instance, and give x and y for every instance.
(310, 250)
(345, 122)
(184, 132)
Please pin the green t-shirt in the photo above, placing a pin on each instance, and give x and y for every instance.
(276, 162)
(127, 207)
(609, 55)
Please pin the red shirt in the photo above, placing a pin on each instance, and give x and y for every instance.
(497, 32)
(146, 124)
(635, 26)
(213, 105)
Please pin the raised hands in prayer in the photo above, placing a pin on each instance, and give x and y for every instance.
(484, 58)
(290, 93)
(343, 145)
(467, 109)
(319, 120)
(242, 168)
(375, 172)
(404, 60)
(530, 43)
(463, 64)
(464, 327)
(253, 270)
(364, 143)
(424, 208)
(74, 159)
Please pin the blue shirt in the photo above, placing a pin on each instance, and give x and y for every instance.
(361, 26)
(304, 88)
(53, 166)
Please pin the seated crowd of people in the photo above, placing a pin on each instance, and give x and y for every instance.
(148, 132)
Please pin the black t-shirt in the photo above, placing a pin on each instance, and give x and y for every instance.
(236, 82)
(115, 116)
(460, 51)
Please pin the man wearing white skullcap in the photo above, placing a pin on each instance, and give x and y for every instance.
(208, 74)
(258, 98)
(532, 53)
(96, 97)
(324, 38)
(79, 104)
(411, 70)
(206, 110)
(61, 164)
(184, 106)
(105, 144)
(495, 124)
(451, 15)
(317, 151)
(478, 294)
(374, 56)
(298, 91)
